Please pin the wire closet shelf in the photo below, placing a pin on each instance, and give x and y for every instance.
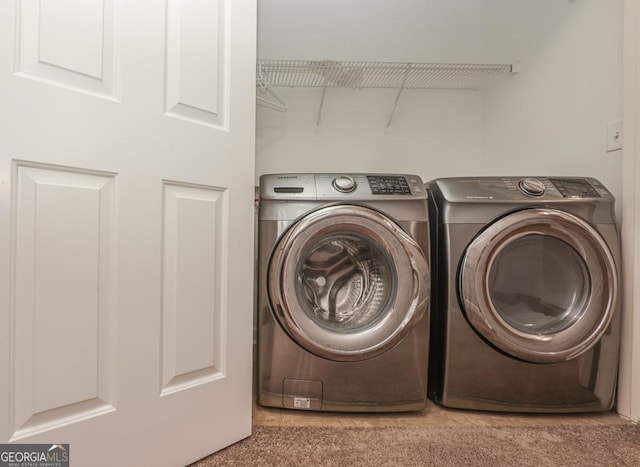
(271, 73)
(306, 73)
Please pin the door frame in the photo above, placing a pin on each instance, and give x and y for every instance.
(629, 379)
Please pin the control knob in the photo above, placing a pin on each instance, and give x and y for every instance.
(344, 184)
(531, 186)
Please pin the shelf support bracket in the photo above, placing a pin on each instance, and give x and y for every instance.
(264, 87)
(324, 92)
(395, 104)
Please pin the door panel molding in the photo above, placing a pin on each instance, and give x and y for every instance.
(196, 69)
(194, 262)
(69, 43)
(63, 331)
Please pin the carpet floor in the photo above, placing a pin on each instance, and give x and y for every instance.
(563, 445)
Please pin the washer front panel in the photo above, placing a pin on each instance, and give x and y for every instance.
(539, 284)
(347, 283)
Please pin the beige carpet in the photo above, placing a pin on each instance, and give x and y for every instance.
(564, 445)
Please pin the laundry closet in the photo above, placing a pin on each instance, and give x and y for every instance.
(464, 88)
(554, 111)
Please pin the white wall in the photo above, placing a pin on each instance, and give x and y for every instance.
(430, 129)
(552, 117)
(549, 119)
(401, 30)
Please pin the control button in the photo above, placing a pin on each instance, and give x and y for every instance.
(574, 188)
(344, 184)
(531, 186)
(388, 185)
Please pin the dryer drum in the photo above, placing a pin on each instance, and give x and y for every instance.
(347, 283)
(539, 284)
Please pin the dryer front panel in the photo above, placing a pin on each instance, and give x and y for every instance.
(347, 283)
(539, 284)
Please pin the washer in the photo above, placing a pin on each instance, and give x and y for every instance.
(343, 293)
(526, 310)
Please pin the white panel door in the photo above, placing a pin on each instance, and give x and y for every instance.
(126, 212)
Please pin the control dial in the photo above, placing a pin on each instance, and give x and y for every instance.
(531, 186)
(344, 184)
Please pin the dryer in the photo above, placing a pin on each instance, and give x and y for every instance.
(526, 311)
(343, 292)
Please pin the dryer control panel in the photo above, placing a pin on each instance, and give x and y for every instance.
(519, 189)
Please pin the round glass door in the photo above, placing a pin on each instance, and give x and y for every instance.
(347, 283)
(539, 284)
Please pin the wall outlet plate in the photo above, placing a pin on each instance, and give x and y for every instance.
(614, 135)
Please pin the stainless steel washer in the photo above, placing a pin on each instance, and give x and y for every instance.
(526, 311)
(343, 292)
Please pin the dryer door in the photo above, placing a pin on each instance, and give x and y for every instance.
(539, 284)
(347, 283)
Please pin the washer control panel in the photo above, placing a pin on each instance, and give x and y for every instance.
(337, 186)
(388, 185)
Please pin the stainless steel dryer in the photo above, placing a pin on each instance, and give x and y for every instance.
(526, 313)
(343, 293)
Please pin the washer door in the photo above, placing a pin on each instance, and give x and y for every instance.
(347, 283)
(539, 284)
